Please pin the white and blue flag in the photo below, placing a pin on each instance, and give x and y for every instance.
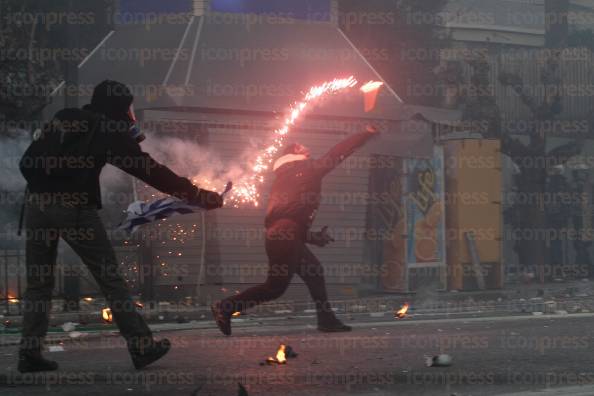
(140, 213)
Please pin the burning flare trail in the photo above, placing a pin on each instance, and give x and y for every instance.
(246, 190)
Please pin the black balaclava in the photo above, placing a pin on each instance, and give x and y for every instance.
(113, 99)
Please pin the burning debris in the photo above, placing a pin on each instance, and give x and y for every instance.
(282, 354)
(106, 315)
(12, 299)
(280, 357)
(401, 313)
(236, 314)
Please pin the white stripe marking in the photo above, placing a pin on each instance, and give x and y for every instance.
(57, 88)
(96, 48)
(181, 43)
(196, 39)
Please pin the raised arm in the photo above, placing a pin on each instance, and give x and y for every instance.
(342, 150)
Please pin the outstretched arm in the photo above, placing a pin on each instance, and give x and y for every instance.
(127, 155)
(342, 150)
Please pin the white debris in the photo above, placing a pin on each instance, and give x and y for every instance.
(69, 326)
(55, 348)
(442, 360)
(75, 334)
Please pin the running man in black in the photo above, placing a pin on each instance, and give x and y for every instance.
(294, 200)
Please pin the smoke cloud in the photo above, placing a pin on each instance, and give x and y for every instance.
(203, 165)
(12, 146)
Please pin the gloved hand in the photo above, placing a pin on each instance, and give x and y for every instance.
(320, 238)
(206, 199)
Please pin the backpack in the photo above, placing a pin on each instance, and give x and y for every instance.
(57, 151)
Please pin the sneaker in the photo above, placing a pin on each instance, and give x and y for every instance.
(150, 354)
(222, 318)
(31, 361)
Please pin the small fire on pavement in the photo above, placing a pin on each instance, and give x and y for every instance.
(401, 313)
(236, 314)
(106, 315)
(280, 356)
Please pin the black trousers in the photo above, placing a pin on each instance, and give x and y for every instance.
(287, 255)
(83, 230)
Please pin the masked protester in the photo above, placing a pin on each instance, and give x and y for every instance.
(294, 201)
(62, 168)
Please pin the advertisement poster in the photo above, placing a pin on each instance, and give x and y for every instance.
(425, 205)
(386, 224)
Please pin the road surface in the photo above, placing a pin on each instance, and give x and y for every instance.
(491, 356)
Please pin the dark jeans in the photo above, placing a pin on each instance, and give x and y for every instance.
(83, 230)
(287, 255)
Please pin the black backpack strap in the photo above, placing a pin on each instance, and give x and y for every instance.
(22, 213)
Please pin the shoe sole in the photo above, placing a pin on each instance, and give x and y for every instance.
(335, 329)
(143, 365)
(218, 322)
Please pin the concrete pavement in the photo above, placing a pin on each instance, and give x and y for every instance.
(492, 356)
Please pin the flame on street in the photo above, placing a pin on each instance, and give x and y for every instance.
(401, 313)
(236, 314)
(280, 356)
(106, 315)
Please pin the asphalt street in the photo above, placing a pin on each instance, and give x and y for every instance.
(491, 356)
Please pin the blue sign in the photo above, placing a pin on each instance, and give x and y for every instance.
(318, 10)
(155, 6)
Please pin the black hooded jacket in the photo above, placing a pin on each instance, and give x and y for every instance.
(88, 140)
(296, 191)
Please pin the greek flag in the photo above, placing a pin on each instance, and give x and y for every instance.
(140, 213)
